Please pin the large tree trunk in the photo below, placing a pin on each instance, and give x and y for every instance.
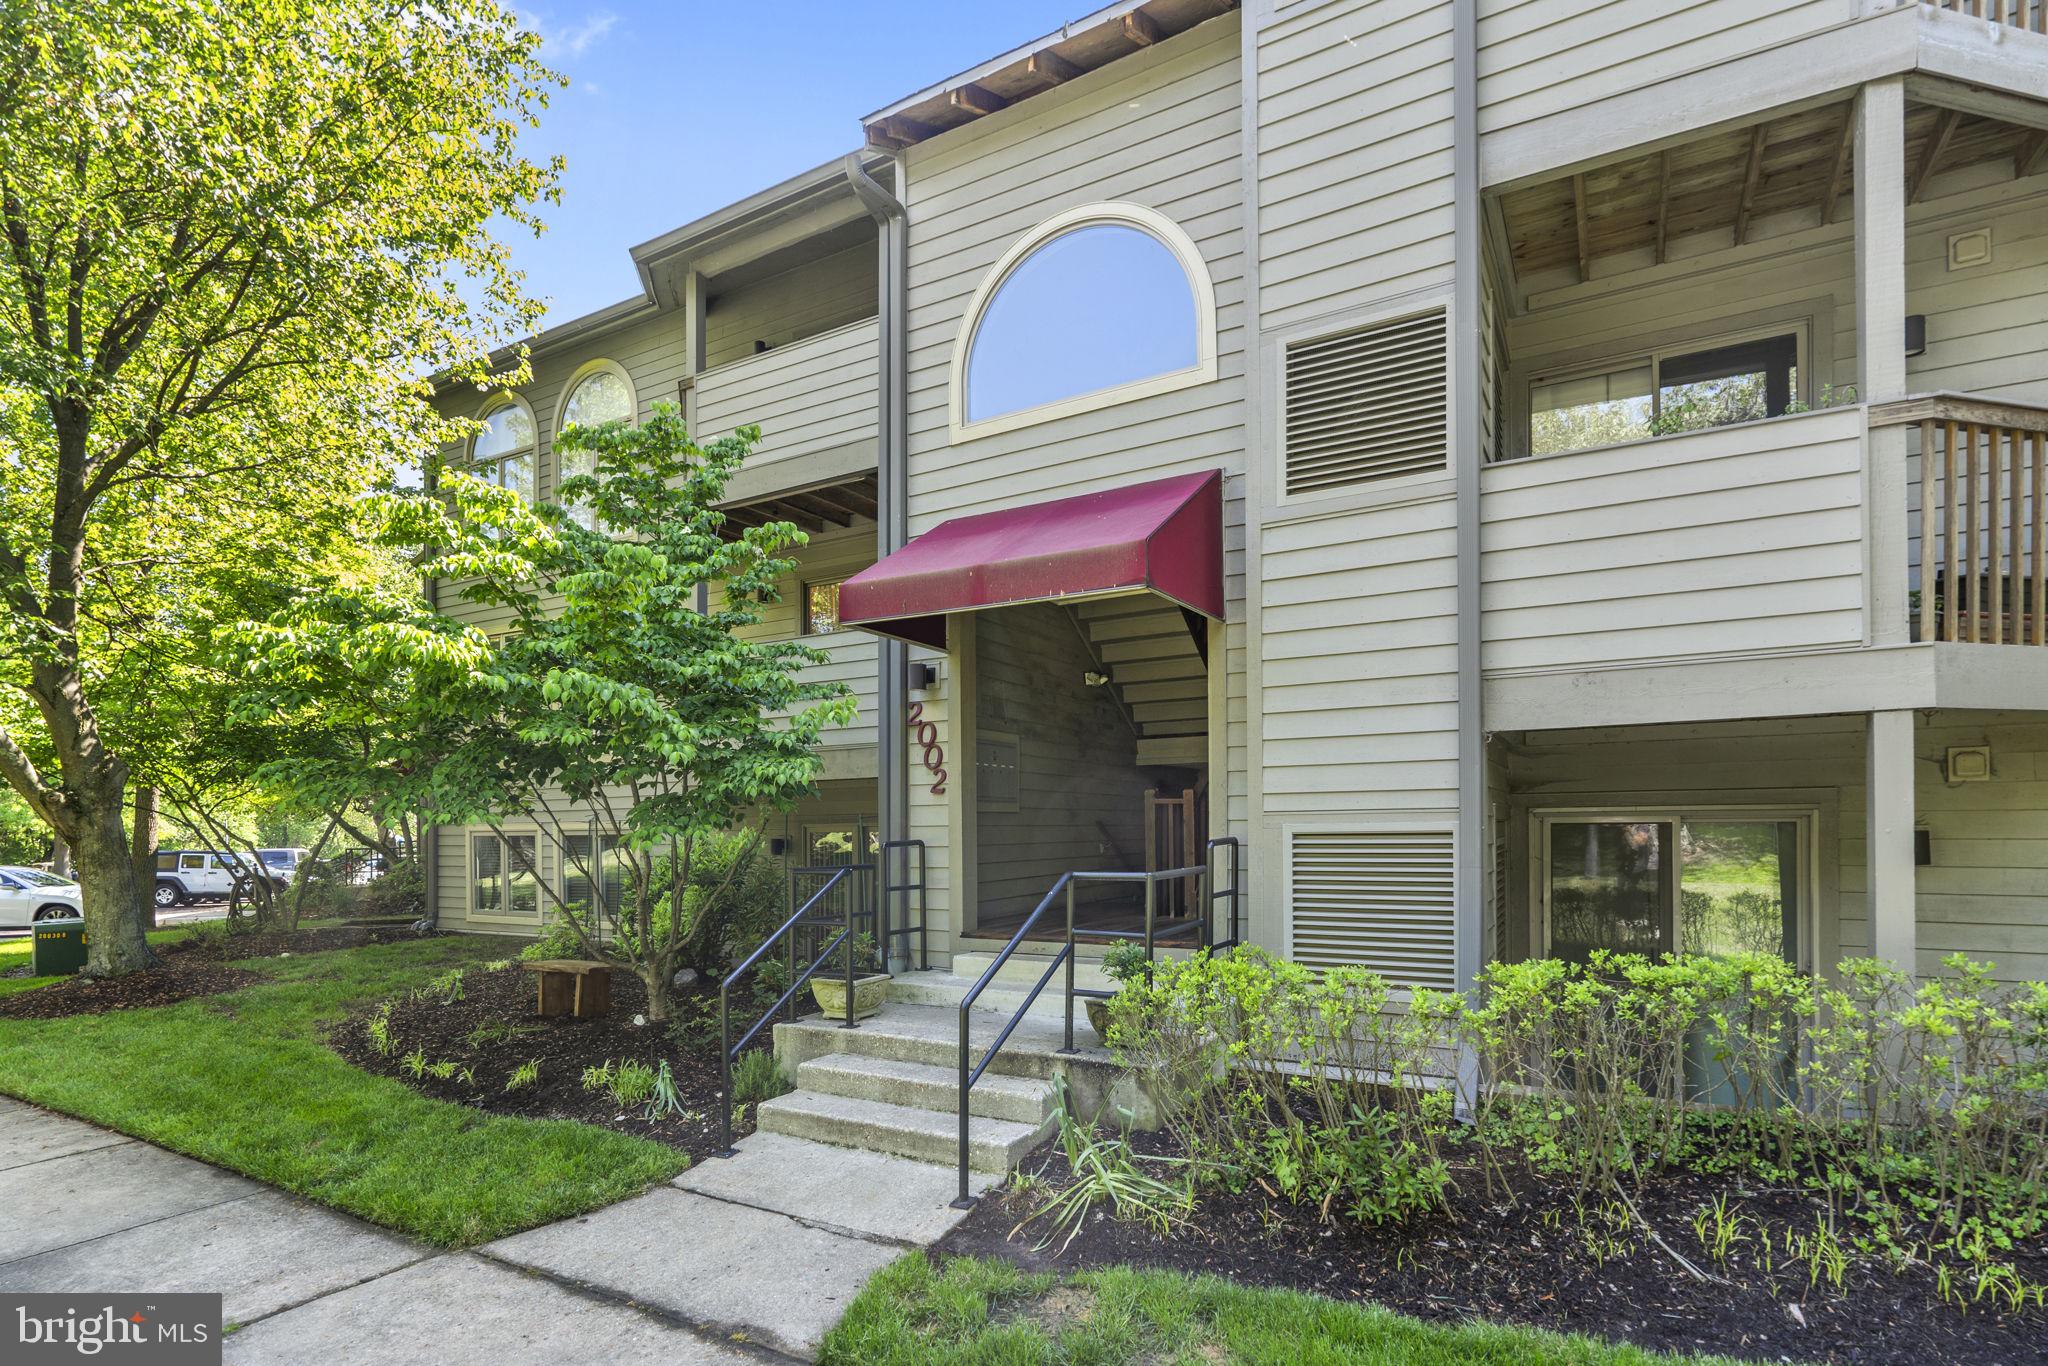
(114, 938)
(145, 852)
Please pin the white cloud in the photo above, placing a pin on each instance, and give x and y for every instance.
(571, 39)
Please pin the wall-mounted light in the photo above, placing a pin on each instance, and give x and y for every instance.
(777, 846)
(1094, 679)
(1916, 334)
(1923, 848)
(922, 676)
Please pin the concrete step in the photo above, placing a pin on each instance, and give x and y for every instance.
(1023, 1100)
(930, 1035)
(993, 1145)
(1000, 998)
(1024, 968)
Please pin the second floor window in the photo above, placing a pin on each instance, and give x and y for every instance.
(604, 394)
(1664, 393)
(821, 608)
(504, 453)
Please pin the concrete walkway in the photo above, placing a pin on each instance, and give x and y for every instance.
(748, 1259)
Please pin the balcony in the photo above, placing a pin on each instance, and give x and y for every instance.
(812, 399)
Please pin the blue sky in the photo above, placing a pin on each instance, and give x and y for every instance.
(675, 109)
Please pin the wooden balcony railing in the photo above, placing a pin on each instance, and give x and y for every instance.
(2031, 15)
(1983, 518)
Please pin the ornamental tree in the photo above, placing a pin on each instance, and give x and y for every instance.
(609, 711)
(235, 238)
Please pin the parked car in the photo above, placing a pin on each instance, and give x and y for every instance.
(30, 894)
(282, 864)
(187, 875)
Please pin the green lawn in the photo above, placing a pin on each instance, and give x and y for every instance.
(244, 1081)
(990, 1312)
(16, 953)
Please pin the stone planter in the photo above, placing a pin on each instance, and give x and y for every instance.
(869, 993)
(1098, 1018)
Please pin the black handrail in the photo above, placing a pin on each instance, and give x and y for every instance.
(892, 932)
(1151, 935)
(728, 1050)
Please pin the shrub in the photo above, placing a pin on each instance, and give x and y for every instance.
(758, 1077)
(1912, 1107)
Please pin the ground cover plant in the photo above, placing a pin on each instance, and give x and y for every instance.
(474, 1037)
(246, 1081)
(1701, 1153)
(968, 1310)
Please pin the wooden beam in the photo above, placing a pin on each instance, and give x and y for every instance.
(813, 506)
(1049, 68)
(1579, 217)
(900, 130)
(1140, 29)
(976, 99)
(1931, 158)
(2033, 150)
(1840, 177)
(1751, 178)
(1663, 202)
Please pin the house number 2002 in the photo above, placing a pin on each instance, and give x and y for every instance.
(927, 733)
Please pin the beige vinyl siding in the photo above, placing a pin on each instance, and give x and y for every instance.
(1355, 174)
(817, 296)
(1537, 57)
(1742, 538)
(1080, 793)
(830, 555)
(1360, 661)
(978, 190)
(814, 395)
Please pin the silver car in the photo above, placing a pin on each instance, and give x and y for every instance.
(30, 894)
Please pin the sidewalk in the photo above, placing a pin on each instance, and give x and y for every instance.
(748, 1259)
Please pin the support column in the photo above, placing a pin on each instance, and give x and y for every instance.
(1888, 846)
(1881, 347)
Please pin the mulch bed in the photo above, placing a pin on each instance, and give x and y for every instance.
(222, 948)
(163, 986)
(1528, 1263)
(494, 1028)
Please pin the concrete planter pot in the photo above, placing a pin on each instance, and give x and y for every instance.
(1098, 1018)
(869, 993)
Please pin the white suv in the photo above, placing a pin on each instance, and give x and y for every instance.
(30, 894)
(188, 875)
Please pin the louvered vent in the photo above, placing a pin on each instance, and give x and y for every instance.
(1378, 899)
(1368, 405)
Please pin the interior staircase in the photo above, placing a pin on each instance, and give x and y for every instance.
(892, 1085)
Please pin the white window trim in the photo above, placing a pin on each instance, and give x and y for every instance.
(472, 464)
(1157, 225)
(584, 372)
(469, 835)
(1807, 818)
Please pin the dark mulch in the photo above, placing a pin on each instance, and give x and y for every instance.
(493, 1029)
(220, 947)
(1529, 1263)
(161, 986)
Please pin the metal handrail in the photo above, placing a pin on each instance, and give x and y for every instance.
(892, 932)
(727, 1049)
(1151, 935)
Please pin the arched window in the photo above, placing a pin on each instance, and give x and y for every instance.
(1098, 305)
(504, 450)
(598, 392)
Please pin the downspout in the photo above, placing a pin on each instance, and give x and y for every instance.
(1467, 880)
(892, 503)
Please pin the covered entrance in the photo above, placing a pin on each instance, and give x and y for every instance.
(1079, 635)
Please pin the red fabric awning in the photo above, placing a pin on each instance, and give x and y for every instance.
(1165, 535)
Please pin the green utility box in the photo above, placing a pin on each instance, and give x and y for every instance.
(59, 948)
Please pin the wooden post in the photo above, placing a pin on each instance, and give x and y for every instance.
(1888, 848)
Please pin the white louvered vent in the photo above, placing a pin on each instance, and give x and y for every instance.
(1368, 405)
(1377, 899)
